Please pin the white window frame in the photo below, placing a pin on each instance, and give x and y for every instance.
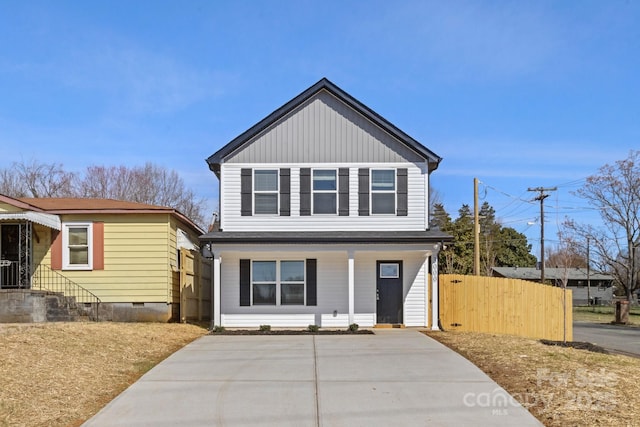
(276, 191)
(313, 191)
(279, 282)
(394, 191)
(66, 262)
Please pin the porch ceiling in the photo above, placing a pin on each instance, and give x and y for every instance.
(48, 220)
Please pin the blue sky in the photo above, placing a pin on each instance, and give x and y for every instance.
(518, 94)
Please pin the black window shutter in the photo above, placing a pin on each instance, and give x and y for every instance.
(312, 282)
(245, 282)
(343, 191)
(305, 191)
(246, 178)
(363, 191)
(402, 192)
(285, 192)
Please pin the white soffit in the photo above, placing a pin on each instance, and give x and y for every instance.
(48, 220)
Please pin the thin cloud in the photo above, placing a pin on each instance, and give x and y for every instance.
(141, 81)
(468, 40)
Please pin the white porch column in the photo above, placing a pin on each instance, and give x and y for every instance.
(434, 292)
(216, 289)
(352, 282)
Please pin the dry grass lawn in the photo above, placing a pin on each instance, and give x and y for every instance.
(560, 386)
(603, 314)
(60, 374)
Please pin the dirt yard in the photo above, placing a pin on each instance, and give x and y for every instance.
(560, 386)
(60, 374)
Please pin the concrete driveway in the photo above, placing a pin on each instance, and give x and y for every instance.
(395, 377)
(625, 339)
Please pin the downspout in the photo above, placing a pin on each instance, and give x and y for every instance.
(435, 291)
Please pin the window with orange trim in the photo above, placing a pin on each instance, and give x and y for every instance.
(77, 246)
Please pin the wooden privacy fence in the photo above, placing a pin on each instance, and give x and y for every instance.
(195, 286)
(505, 306)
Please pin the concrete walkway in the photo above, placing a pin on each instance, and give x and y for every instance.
(395, 377)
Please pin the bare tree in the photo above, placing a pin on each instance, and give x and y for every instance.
(567, 254)
(615, 192)
(566, 257)
(150, 184)
(11, 184)
(34, 179)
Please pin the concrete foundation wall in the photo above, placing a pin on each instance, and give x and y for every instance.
(32, 306)
(136, 312)
(24, 305)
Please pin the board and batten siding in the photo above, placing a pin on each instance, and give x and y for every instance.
(332, 289)
(416, 218)
(137, 258)
(324, 130)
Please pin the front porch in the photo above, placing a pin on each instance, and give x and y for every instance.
(370, 285)
(31, 291)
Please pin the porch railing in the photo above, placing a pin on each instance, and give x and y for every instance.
(46, 279)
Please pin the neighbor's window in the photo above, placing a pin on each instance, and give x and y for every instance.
(265, 193)
(264, 282)
(325, 189)
(383, 191)
(274, 281)
(77, 246)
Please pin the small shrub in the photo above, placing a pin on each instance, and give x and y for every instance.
(313, 328)
(353, 327)
(217, 329)
(265, 328)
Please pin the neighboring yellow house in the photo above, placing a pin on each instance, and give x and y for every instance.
(126, 254)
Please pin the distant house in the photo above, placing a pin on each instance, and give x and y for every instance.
(324, 220)
(601, 285)
(125, 254)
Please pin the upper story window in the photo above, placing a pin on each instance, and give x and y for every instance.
(325, 191)
(265, 191)
(383, 191)
(77, 244)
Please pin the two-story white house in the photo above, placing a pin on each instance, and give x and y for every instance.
(324, 220)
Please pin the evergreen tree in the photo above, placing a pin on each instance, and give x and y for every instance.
(499, 246)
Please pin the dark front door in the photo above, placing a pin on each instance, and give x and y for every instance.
(389, 291)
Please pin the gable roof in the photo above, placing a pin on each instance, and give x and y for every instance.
(237, 143)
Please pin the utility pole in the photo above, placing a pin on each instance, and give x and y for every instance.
(476, 230)
(541, 197)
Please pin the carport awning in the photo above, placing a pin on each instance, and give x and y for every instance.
(48, 220)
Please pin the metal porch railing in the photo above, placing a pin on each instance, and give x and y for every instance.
(46, 279)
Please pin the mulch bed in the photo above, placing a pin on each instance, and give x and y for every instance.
(577, 345)
(289, 332)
